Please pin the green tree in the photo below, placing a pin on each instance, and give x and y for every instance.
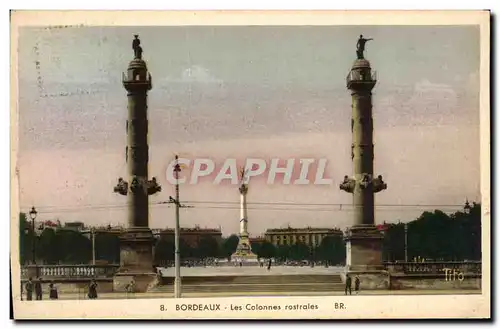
(299, 251)
(164, 251)
(229, 246)
(186, 251)
(283, 252)
(47, 248)
(74, 247)
(107, 247)
(25, 238)
(256, 247)
(393, 243)
(207, 247)
(429, 237)
(267, 250)
(331, 250)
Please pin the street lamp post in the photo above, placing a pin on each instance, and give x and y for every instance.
(406, 242)
(33, 214)
(92, 231)
(177, 282)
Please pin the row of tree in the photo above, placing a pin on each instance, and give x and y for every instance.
(63, 246)
(437, 236)
(331, 249)
(434, 235)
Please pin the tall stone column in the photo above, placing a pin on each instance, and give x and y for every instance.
(244, 249)
(136, 243)
(243, 211)
(363, 240)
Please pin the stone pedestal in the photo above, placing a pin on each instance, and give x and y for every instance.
(243, 251)
(364, 257)
(136, 260)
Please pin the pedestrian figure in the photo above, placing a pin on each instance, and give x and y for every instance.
(53, 291)
(92, 289)
(29, 289)
(348, 284)
(38, 289)
(356, 284)
(241, 264)
(269, 265)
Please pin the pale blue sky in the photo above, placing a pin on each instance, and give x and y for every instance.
(245, 91)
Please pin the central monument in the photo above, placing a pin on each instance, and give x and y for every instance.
(136, 243)
(243, 251)
(363, 240)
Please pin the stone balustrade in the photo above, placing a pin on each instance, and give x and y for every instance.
(69, 271)
(469, 267)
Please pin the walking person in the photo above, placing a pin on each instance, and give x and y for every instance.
(356, 284)
(29, 289)
(38, 289)
(92, 289)
(269, 264)
(53, 291)
(348, 284)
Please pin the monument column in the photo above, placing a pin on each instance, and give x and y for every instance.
(136, 243)
(363, 240)
(244, 249)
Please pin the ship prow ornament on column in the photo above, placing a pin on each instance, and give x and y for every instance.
(136, 243)
(363, 240)
(243, 251)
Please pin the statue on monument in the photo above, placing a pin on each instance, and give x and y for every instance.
(136, 45)
(243, 187)
(360, 46)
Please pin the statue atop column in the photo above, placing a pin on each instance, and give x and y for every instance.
(136, 45)
(360, 46)
(243, 187)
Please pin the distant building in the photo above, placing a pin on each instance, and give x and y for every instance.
(74, 226)
(191, 236)
(115, 230)
(258, 239)
(40, 226)
(310, 236)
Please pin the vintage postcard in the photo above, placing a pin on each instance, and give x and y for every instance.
(250, 165)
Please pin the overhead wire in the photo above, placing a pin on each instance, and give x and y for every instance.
(273, 206)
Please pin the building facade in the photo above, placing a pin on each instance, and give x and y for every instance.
(310, 236)
(257, 240)
(191, 236)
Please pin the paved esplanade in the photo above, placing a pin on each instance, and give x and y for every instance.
(81, 296)
(252, 271)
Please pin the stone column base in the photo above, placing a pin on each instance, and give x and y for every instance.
(143, 281)
(136, 260)
(363, 248)
(244, 251)
(364, 258)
